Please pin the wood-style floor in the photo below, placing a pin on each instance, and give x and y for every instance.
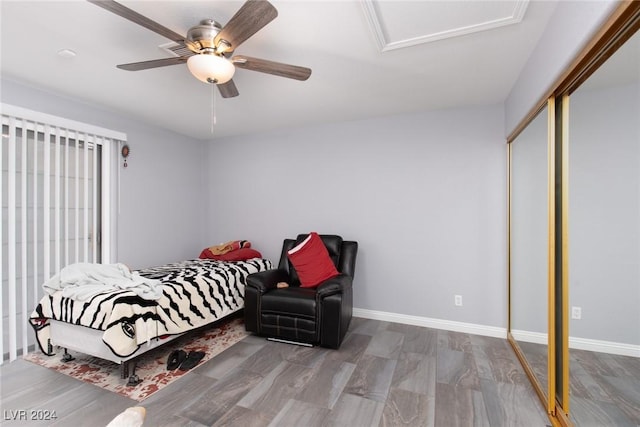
(385, 374)
(604, 388)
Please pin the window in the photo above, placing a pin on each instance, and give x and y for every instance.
(56, 209)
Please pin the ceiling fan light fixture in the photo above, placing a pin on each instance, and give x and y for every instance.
(211, 68)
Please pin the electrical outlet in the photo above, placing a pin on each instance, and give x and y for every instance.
(576, 313)
(457, 300)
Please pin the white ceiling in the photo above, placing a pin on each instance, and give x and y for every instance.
(369, 59)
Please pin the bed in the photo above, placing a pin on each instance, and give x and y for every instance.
(119, 325)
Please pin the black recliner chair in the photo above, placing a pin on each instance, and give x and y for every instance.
(318, 315)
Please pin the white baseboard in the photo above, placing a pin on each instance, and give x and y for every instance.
(600, 346)
(610, 347)
(448, 325)
(532, 337)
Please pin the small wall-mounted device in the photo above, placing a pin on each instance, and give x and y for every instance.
(125, 151)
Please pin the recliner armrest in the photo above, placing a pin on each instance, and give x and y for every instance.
(335, 285)
(264, 281)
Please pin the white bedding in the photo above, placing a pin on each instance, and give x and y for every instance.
(82, 281)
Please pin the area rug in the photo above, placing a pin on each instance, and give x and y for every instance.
(151, 367)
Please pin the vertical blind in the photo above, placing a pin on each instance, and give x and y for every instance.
(55, 191)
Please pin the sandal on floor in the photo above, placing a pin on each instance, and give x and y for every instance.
(175, 359)
(192, 360)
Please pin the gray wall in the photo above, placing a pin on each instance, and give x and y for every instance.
(161, 211)
(423, 194)
(571, 26)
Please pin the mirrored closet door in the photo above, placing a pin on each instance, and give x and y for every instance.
(529, 156)
(590, 336)
(604, 249)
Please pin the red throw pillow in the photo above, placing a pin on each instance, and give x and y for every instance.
(312, 261)
(241, 254)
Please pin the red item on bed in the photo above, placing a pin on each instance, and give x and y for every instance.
(241, 254)
(230, 246)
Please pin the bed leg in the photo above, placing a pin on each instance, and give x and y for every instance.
(124, 370)
(66, 357)
(134, 380)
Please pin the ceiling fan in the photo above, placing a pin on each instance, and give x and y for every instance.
(210, 45)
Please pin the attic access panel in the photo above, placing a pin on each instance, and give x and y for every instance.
(400, 24)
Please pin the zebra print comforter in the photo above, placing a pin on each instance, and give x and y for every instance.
(195, 293)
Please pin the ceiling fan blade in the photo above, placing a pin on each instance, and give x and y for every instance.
(271, 67)
(155, 63)
(251, 17)
(137, 18)
(228, 89)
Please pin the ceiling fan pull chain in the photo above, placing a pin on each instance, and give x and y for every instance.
(213, 107)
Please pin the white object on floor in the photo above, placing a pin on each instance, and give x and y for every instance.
(130, 417)
(304, 344)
